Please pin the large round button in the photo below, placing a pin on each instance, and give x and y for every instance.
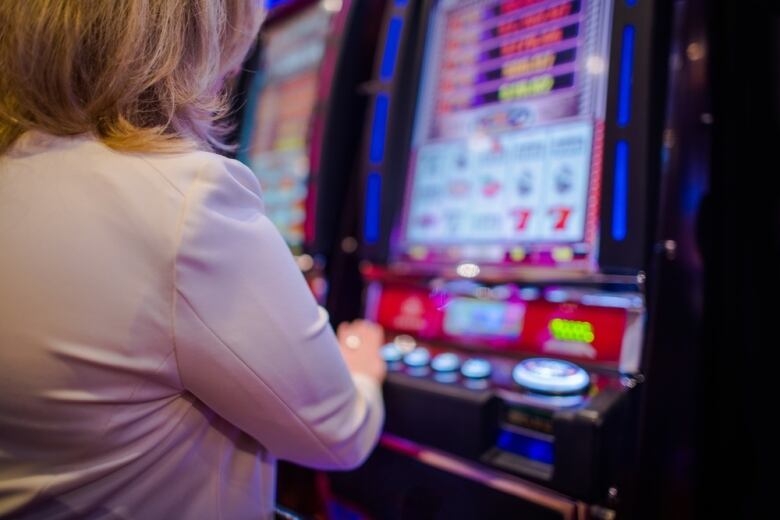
(405, 343)
(550, 376)
(391, 353)
(476, 368)
(447, 362)
(418, 357)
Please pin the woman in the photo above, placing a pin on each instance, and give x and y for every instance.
(158, 346)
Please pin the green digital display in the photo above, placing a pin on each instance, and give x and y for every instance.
(571, 330)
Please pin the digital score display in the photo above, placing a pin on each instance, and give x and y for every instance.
(538, 326)
(276, 144)
(468, 317)
(505, 161)
(571, 330)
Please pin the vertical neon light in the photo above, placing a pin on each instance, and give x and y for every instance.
(379, 129)
(626, 75)
(390, 55)
(372, 209)
(620, 192)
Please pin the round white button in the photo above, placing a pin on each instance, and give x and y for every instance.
(391, 353)
(553, 376)
(476, 368)
(418, 357)
(447, 362)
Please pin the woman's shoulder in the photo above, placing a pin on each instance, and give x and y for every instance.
(89, 157)
(186, 170)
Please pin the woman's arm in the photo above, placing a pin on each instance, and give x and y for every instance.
(250, 340)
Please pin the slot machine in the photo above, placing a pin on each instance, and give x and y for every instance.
(300, 120)
(300, 114)
(511, 180)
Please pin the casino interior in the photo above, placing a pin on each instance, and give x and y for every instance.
(547, 206)
(527, 195)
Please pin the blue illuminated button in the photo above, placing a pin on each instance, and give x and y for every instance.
(418, 357)
(391, 353)
(529, 293)
(550, 376)
(476, 368)
(556, 295)
(447, 362)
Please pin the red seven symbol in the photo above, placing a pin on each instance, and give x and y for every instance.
(523, 216)
(561, 216)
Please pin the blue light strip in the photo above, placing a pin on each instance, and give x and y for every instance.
(631, 3)
(620, 192)
(379, 129)
(402, 3)
(272, 4)
(391, 48)
(373, 201)
(534, 449)
(626, 75)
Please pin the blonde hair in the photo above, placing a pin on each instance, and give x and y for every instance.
(139, 74)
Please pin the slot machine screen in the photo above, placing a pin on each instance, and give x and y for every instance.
(281, 104)
(505, 160)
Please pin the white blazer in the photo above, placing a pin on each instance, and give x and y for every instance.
(159, 347)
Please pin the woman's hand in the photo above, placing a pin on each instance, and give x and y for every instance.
(360, 342)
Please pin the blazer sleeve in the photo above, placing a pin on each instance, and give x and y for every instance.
(250, 340)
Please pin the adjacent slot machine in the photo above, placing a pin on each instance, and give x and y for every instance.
(510, 184)
(301, 115)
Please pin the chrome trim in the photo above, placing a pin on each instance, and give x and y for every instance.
(488, 477)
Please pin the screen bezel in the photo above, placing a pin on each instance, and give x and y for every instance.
(628, 256)
(541, 253)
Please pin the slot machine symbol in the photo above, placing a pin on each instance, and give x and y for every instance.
(519, 117)
(459, 188)
(522, 217)
(525, 184)
(461, 162)
(491, 187)
(494, 121)
(426, 221)
(447, 85)
(564, 180)
(560, 217)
